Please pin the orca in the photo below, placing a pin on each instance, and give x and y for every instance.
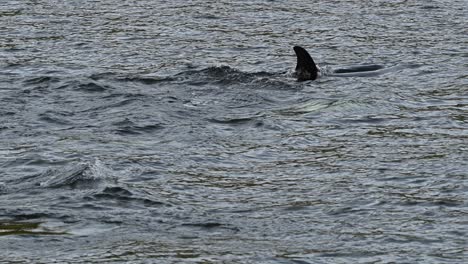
(306, 69)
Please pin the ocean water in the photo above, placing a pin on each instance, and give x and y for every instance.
(173, 132)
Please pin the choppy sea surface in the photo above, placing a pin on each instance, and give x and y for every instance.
(173, 132)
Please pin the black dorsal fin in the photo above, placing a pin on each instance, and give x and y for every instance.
(305, 68)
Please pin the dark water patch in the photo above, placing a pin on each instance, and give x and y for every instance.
(41, 80)
(368, 119)
(405, 238)
(129, 96)
(430, 7)
(282, 260)
(116, 191)
(92, 205)
(354, 254)
(29, 216)
(148, 80)
(130, 128)
(415, 200)
(297, 261)
(223, 75)
(7, 13)
(26, 228)
(125, 102)
(276, 82)
(170, 99)
(3, 188)
(302, 205)
(344, 211)
(124, 197)
(7, 113)
(209, 227)
(57, 118)
(237, 121)
(104, 76)
(206, 16)
(27, 160)
(97, 106)
(93, 87)
(127, 77)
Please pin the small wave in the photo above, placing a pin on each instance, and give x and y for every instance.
(26, 228)
(81, 175)
(369, 119)
(92, 87)
(214, 75)
(231, 120)
(55, 118)
(3, 188)
(69, 176)
(307, 107)
(193, 228)
(125, 197)
(41, 80)
(237, 121)
(144, 79)
(147, 80)
(221, 75)
(128, 127)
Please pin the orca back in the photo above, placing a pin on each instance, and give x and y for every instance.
(360, 68)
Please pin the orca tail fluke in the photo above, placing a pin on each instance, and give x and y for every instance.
(305, 68)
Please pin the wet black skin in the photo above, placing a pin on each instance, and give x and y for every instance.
(306, 69)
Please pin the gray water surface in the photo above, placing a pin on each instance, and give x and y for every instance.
(173, 132)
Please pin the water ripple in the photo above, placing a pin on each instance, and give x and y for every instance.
(174, 132)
